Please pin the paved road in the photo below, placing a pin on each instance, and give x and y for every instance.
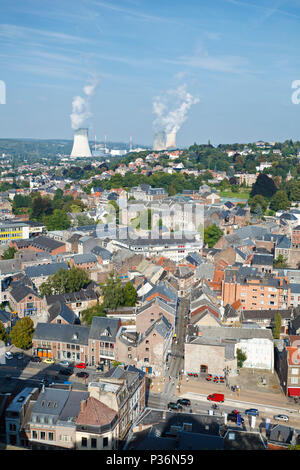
(176, 360)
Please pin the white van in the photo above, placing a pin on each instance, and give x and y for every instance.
(8, 355)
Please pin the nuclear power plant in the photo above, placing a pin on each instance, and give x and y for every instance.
(171, 140)
(163, 141)
(159, 141)
(81, 146)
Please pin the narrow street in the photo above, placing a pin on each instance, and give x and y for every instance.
(176, 361)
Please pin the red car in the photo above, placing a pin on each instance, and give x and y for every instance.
(221, 380)
(81, 365)
(216, 380)
(209, 377)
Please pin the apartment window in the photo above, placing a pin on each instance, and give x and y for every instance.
(105, 441)
(295, 371)
(83, 442)
(294, 380)
(147, 349)
(146, 359)
(43, 435)
(50, 436)
(93, 443)
(34, 435)
(12, 427)
(129, 356)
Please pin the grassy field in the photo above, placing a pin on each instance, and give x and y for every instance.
(244, 194)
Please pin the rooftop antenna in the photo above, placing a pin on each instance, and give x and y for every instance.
(95, 141)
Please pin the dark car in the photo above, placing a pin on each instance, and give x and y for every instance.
(82, 375)
(36, 359)
(20, 356)
(66, 372)
(184, 402)
(234, 417)
(174, 406)
(252, 412)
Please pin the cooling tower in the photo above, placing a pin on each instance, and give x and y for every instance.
(159, 141)
(81, 146)
(171, 140)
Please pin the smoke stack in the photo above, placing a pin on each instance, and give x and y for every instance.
(81, 146)
(171, 140)
(159, 141)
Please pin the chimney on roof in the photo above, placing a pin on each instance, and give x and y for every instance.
(83, 405)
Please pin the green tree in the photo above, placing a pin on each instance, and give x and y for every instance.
(279, 201)
(258, 200)
(280, 262)
(65, 281)
(83, 219)
(241, 357)
(112, 292)
(212, 234)
(94, 311)
(59, 220)
(22, 333)
(264, 185)
(130, 295)
(277, 326)
(40, 207)
(9, 253)
(3, 333)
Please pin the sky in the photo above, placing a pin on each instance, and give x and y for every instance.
(236, 58)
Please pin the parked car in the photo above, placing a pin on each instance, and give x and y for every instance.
(82, 375)
(219, 397)
(234, 417)
(36, 359)
(184, 402)
(221, 379)
(9, 355)
(174, 406)
(20, 356)
(209, 377)
(81, 365)
(66, 372)
(64, 363)
(48, 360)
(252, 412)
(281, 417)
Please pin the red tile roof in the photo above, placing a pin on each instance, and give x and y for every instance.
(95, 413)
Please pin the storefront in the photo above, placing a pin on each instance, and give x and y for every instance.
(294, 391)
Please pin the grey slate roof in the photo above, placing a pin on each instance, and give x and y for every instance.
(4, 316)
(61, 309)
(102, 324)
(85, 258)
(219, 335)
(72, 406)
(265, 314)
(42, 242)
(74, 334)
(20, 292)
(51, 401)
(99, 251)
(45, 269)
(262, 260)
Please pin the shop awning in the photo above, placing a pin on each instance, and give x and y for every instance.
(294, 391)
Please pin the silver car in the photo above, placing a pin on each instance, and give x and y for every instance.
(281, 418)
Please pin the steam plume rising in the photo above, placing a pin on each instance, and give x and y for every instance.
(168, 119)
(81, 105)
